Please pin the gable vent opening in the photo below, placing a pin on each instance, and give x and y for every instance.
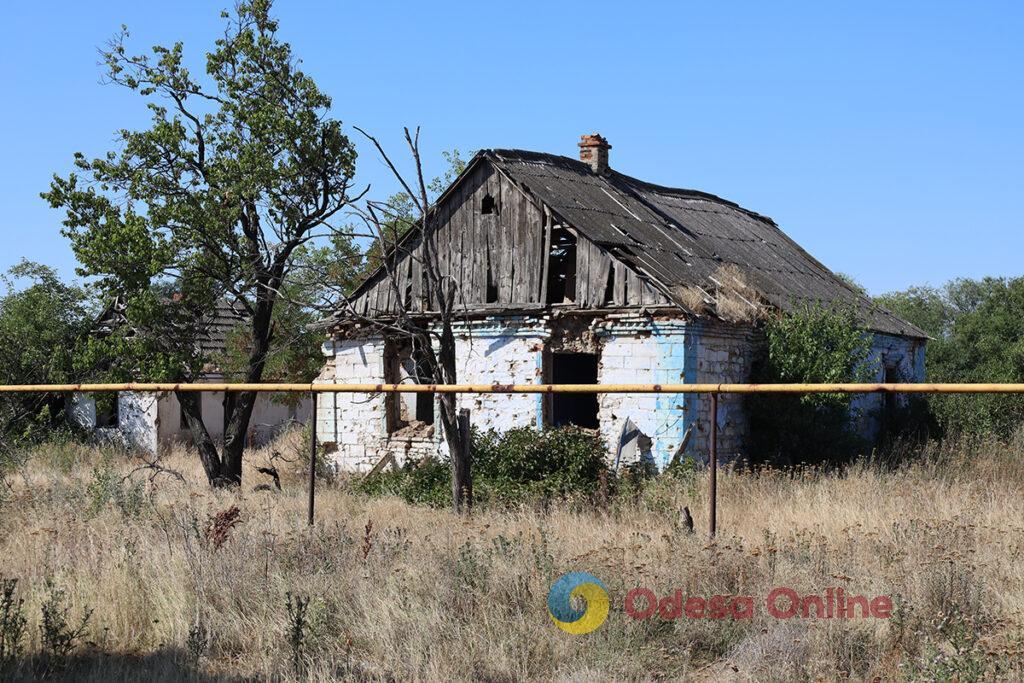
(487, 205)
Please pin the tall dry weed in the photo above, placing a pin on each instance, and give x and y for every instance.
(404, 593)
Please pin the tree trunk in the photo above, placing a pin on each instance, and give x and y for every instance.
(238, 406)
(456, 438)
(462, 481)
(212, 463)
(238, 409)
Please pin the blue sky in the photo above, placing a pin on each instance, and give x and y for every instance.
(886, 138)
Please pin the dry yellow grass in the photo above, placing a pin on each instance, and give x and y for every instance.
(403, 593)
(732, 297)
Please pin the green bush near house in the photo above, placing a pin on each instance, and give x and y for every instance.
(516, 466)
(810, 344)
(420, 482)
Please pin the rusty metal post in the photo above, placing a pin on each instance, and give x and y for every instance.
(713, 463)
(312, 459)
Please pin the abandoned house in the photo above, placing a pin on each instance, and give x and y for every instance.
(571, 272)
(152, 422)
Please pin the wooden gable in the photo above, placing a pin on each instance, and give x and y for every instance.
(496, 241)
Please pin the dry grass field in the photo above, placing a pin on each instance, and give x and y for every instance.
(402, 593)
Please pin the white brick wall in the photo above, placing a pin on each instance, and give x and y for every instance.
(637, 351)
(632, 350)
(137, 418)
(496, 352)
(353, 423)
(724, 354)
(506, 352)
(907, 357)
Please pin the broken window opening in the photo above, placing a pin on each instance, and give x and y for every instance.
(609, 290)
(487, 205)
(562, 266)
(574, 409)
(405, 410)
(492, 283)
(425, 408)
(107, 412)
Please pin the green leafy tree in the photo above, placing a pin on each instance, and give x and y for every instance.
(977, 330)
(810, 344)
(236, 173)
(927, 307)
(43, 322)
(320, 277)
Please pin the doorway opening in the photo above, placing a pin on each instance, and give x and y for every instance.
(891, 404)
(574, 409)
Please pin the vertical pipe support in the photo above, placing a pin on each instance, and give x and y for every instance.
(312, 459)
(713, 468)
(462, 476)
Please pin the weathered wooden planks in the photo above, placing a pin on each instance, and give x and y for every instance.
(503, 245)
(509, 234)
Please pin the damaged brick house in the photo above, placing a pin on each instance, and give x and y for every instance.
(151, 422)
(572, 272)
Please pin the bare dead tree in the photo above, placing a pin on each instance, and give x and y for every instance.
(431, 338)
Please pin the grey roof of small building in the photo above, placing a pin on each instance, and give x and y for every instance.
(680, 238)
(215, 327)
(218, 326)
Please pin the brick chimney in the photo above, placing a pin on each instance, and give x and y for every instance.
(594, 152)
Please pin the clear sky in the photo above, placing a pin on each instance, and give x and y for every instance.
(887, 138)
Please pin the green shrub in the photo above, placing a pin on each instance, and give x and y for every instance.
(524, 463)
(508, 468)
(812, 344)
(426, 482)
(297, 630)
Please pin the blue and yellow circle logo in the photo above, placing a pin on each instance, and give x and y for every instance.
(583, 586)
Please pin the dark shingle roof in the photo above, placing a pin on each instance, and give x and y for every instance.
(212, 333)
(218, 326)
(679, 238)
